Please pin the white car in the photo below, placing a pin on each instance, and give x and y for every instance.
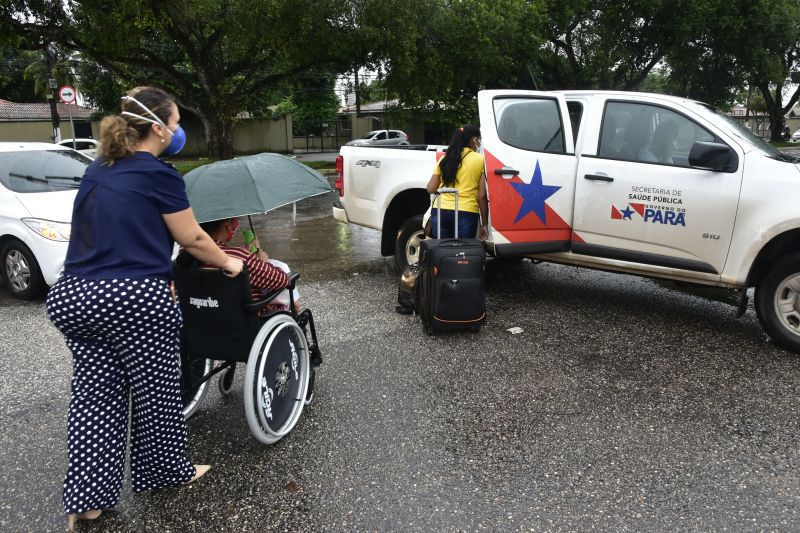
(381, 138)
(38, 185)
(795, 136)
(85, 146)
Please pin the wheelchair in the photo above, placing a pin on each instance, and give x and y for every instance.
(221, 327)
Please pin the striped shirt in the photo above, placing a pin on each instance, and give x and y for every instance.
(263, 276)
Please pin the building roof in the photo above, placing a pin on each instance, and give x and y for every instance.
(14, 112)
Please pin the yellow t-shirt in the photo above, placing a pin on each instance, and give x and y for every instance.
(467, 179)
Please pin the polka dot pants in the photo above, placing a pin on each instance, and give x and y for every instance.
(123, 335)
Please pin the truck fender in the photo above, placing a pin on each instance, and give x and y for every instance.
(781, 241)
(402, 206)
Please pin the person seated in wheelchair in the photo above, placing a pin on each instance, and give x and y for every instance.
(265, 274)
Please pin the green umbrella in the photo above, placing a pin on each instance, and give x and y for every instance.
(250, 185)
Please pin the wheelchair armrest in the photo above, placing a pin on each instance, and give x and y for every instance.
(265, 298)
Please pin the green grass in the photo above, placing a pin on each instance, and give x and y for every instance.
(320, 165)
(782, 144)
(186, 165)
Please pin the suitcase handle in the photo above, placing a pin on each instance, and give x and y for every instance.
(438, 194)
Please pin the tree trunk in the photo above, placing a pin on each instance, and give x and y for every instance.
(219, 135)
(774, 103)
(776, 124)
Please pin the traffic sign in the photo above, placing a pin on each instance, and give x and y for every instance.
(67, 94)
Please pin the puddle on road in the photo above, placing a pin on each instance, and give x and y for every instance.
(316, 245)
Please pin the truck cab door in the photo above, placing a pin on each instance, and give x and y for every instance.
(529, 149)
(640, 199)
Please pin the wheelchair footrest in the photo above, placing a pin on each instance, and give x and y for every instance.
(310, 391)
(315, 356)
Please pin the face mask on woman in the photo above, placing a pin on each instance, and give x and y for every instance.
(177, 142)
(231, 228)
(178, 137)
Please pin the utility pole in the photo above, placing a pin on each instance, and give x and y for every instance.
(52, 86)
(358, 98)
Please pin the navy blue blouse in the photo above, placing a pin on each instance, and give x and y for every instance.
(117, 228)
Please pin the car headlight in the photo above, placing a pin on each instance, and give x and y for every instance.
(54, 231)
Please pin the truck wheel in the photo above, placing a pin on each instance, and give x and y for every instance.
(778, 302)
(21, 271)
(406, 250)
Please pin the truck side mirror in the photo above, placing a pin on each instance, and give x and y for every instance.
(717, 157)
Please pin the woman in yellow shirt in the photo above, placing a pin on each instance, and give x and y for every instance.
(461, 168)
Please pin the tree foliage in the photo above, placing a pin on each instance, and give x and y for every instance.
(13, 62)
(54, 63)
(219, 57)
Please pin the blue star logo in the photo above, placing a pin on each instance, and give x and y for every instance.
(627, 214)
(534, 195)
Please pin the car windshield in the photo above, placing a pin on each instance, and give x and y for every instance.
(741, 131)
(42, 170)
(369, 135)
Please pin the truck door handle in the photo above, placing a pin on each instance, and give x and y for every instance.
(506, 171)
(597, 177)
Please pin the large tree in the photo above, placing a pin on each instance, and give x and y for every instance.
(438, 54)
(773, 61)
(219, 57)
(13, 62)
(607, 44)
(742, 45)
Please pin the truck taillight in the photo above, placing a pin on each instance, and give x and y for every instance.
(340, 178)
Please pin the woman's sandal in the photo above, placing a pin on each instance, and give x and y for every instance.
(200, 471)
(88, 515)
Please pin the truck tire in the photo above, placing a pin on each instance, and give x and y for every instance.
(406, 250)
(777, 302)
(21, 272)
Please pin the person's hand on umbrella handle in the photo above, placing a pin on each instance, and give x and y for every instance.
(263, 255)
(233, 267)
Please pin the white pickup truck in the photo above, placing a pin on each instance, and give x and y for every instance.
(638, 183)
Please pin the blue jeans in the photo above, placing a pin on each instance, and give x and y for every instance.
(467, 224)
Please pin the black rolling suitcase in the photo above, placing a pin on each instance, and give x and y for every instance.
(451, 280)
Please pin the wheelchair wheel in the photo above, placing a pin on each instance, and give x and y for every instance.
(276, 379)
(191, 394)
(225, 381)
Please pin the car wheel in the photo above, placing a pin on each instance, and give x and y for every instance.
(409, 236)
(778, 302)
(21, 271)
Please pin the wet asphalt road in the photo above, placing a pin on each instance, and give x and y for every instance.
(624, 405)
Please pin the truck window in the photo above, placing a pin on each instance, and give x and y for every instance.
(648, 134)
(530, 124)
(575, 112)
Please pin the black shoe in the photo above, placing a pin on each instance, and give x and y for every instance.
(403, 310)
